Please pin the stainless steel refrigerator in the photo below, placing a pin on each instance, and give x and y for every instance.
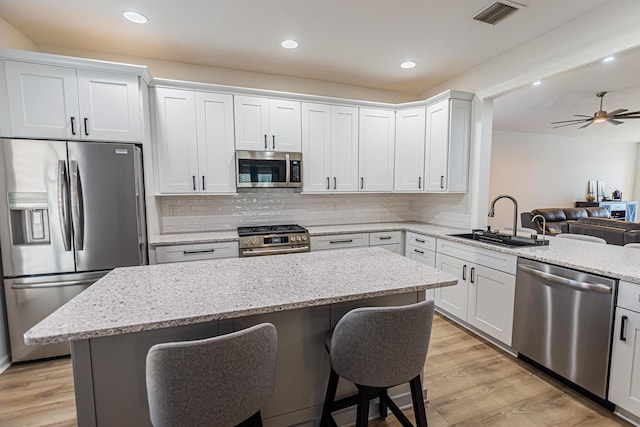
(69, 213)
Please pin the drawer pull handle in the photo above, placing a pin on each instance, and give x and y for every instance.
(473, 279)
(328, 183)
(385, 238)
(73, 125)
(418, 251)
(341, 241)
(420, 241)
(464, 272)
(623, 328)
(201, 251)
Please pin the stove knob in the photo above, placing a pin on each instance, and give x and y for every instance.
(304, 238)
(298, 238)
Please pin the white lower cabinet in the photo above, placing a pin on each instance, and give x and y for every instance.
(421, 248)
(624, 378)
(340, 241)
(484, 296)
(196, 252)
(389, 240)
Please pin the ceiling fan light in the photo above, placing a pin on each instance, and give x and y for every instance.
(599, 120)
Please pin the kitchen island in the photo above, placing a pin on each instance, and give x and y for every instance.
(112, 325)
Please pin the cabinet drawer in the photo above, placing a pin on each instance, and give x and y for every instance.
(421, 255)
(180, 253)
(339, 241)
(421, 241)
(384, 238)
(488, 258)
(629, 296)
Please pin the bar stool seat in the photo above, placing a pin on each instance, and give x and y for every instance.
(221, 381)
(377, 348)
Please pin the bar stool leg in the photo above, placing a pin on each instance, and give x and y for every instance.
(330, 397)
(383, 405)
(362, 417)
(418, 402)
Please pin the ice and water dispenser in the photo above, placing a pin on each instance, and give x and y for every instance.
(29, 213)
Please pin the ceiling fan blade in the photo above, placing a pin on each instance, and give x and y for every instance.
(631, 113)
(614, 122)
(568, 124)
(574, 121)
(584, 126)
(616, 112)
(581, 115)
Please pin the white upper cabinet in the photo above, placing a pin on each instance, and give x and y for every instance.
(195, 150)
(109, 106)
(329, 148)
(376, 145)
(448, 132)
(58, 102)
(265, 124)
(409, 157)
(176, 141)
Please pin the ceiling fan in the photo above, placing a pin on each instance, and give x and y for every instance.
(600, 116)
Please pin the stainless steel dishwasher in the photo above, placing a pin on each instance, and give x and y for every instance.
(563, 321)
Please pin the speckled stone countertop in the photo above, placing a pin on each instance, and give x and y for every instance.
(133, 299)
(608, 260)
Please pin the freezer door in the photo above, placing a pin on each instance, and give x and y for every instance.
(35, 231)
(105, 205)
(29, 300)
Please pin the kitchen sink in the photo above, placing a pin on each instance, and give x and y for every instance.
(500, 239)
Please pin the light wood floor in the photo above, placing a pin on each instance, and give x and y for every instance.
(469, 382)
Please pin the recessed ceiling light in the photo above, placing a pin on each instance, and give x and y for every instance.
(609, 59)
(289, 44)
(136, 17)
(537, 83)
(408, 64)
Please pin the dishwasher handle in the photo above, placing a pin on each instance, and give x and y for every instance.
(564, 281)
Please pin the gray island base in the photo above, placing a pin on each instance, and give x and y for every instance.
(112, 325)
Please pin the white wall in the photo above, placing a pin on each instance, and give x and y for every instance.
(14, 39)
(543, 171)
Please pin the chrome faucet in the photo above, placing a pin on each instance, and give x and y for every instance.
(515, 210)
(544, 223)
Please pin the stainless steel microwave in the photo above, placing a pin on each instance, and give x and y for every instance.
(265, 169)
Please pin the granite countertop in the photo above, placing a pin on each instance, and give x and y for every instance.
(613, 261)
(133, 299)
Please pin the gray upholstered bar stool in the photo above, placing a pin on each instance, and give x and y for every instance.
(221, 381)
(632, 245)
(376, 348)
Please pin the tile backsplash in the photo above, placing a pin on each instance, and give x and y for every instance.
(179, 214)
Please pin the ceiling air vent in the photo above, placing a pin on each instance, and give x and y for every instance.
(495, 13)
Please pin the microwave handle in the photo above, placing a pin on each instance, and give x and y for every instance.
(288, 167)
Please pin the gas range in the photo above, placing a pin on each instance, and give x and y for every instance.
(272, 240)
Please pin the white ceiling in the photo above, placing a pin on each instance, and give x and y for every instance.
(532, 109)
(357, 42)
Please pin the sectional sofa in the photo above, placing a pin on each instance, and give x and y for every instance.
(593, 221)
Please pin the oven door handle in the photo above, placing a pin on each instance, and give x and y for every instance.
(563, 281)
(255, 252)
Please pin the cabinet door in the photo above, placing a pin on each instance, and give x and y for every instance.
(436, 147)
(251, 122)
(177, 153)
(285, 132)
(624, 379)
(424, 257)
(216, 153)
(376, 159)
(410, 137)
(43, 101)
(344, 149)
(109, 106)
(457, 179)
(316, 147)
(491, 301)
(453, 299)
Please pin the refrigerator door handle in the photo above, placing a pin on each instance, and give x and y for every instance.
(54, 284)
(63, 204)
(77, 205)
